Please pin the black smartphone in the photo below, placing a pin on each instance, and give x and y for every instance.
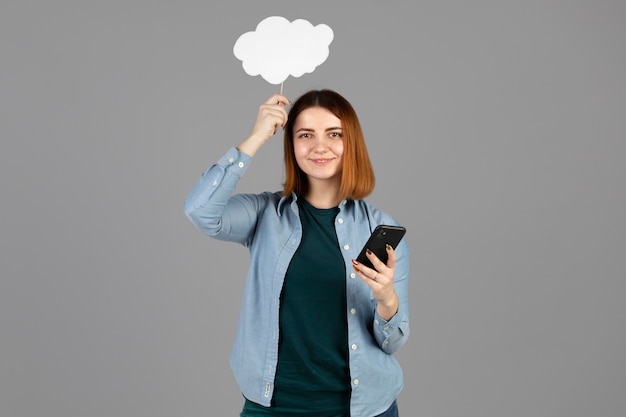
(383, 234)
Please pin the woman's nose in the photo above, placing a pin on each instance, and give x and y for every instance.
(321, 145)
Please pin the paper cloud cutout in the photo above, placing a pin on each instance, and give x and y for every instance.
(279, 48)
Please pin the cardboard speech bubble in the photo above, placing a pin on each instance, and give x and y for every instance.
(279, 48)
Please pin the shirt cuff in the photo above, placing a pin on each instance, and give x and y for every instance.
(235, 159)
(386, 328)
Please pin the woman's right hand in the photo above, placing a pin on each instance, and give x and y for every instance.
(271, 116)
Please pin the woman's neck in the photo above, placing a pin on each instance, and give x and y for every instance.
(323, 196)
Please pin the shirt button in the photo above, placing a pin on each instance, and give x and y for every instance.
(231, 160)
(346, 247)
(376, 321)
(344, 202)
(240, 164)
(352, 275)
(340, 221)
(353, 347)
(386, 328)
(353, 311)
(215, 183)
(356, 381)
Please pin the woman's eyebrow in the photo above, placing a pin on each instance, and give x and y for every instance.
(308, 129)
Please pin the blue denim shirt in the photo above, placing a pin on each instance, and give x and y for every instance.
(268, 224)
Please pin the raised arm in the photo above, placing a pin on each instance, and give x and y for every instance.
(211, 205)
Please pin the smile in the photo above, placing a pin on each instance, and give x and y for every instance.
(321, 161)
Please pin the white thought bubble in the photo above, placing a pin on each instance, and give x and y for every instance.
(279, 48)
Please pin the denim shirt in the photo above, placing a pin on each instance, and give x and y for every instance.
(268, 224)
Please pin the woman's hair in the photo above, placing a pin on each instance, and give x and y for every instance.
(357, 177)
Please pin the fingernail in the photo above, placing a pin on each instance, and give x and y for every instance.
(369, 252)
(354, 262)
(388, 246)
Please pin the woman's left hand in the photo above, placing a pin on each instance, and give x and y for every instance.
(380, 280)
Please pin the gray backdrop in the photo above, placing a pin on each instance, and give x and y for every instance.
(498, 137)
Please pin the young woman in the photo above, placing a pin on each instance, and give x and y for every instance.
(317, 330)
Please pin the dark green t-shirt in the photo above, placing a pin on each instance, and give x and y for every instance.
(312, 376)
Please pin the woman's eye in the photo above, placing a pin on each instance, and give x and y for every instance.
(336, 135)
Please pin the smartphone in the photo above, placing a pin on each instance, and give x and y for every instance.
(383, 234)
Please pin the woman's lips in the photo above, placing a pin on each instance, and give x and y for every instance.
(321, 161)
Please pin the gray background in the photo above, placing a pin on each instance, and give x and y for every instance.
(498, 137)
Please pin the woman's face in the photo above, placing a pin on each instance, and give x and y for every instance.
(318, 144)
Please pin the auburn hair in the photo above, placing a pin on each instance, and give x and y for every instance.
(357, 176)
